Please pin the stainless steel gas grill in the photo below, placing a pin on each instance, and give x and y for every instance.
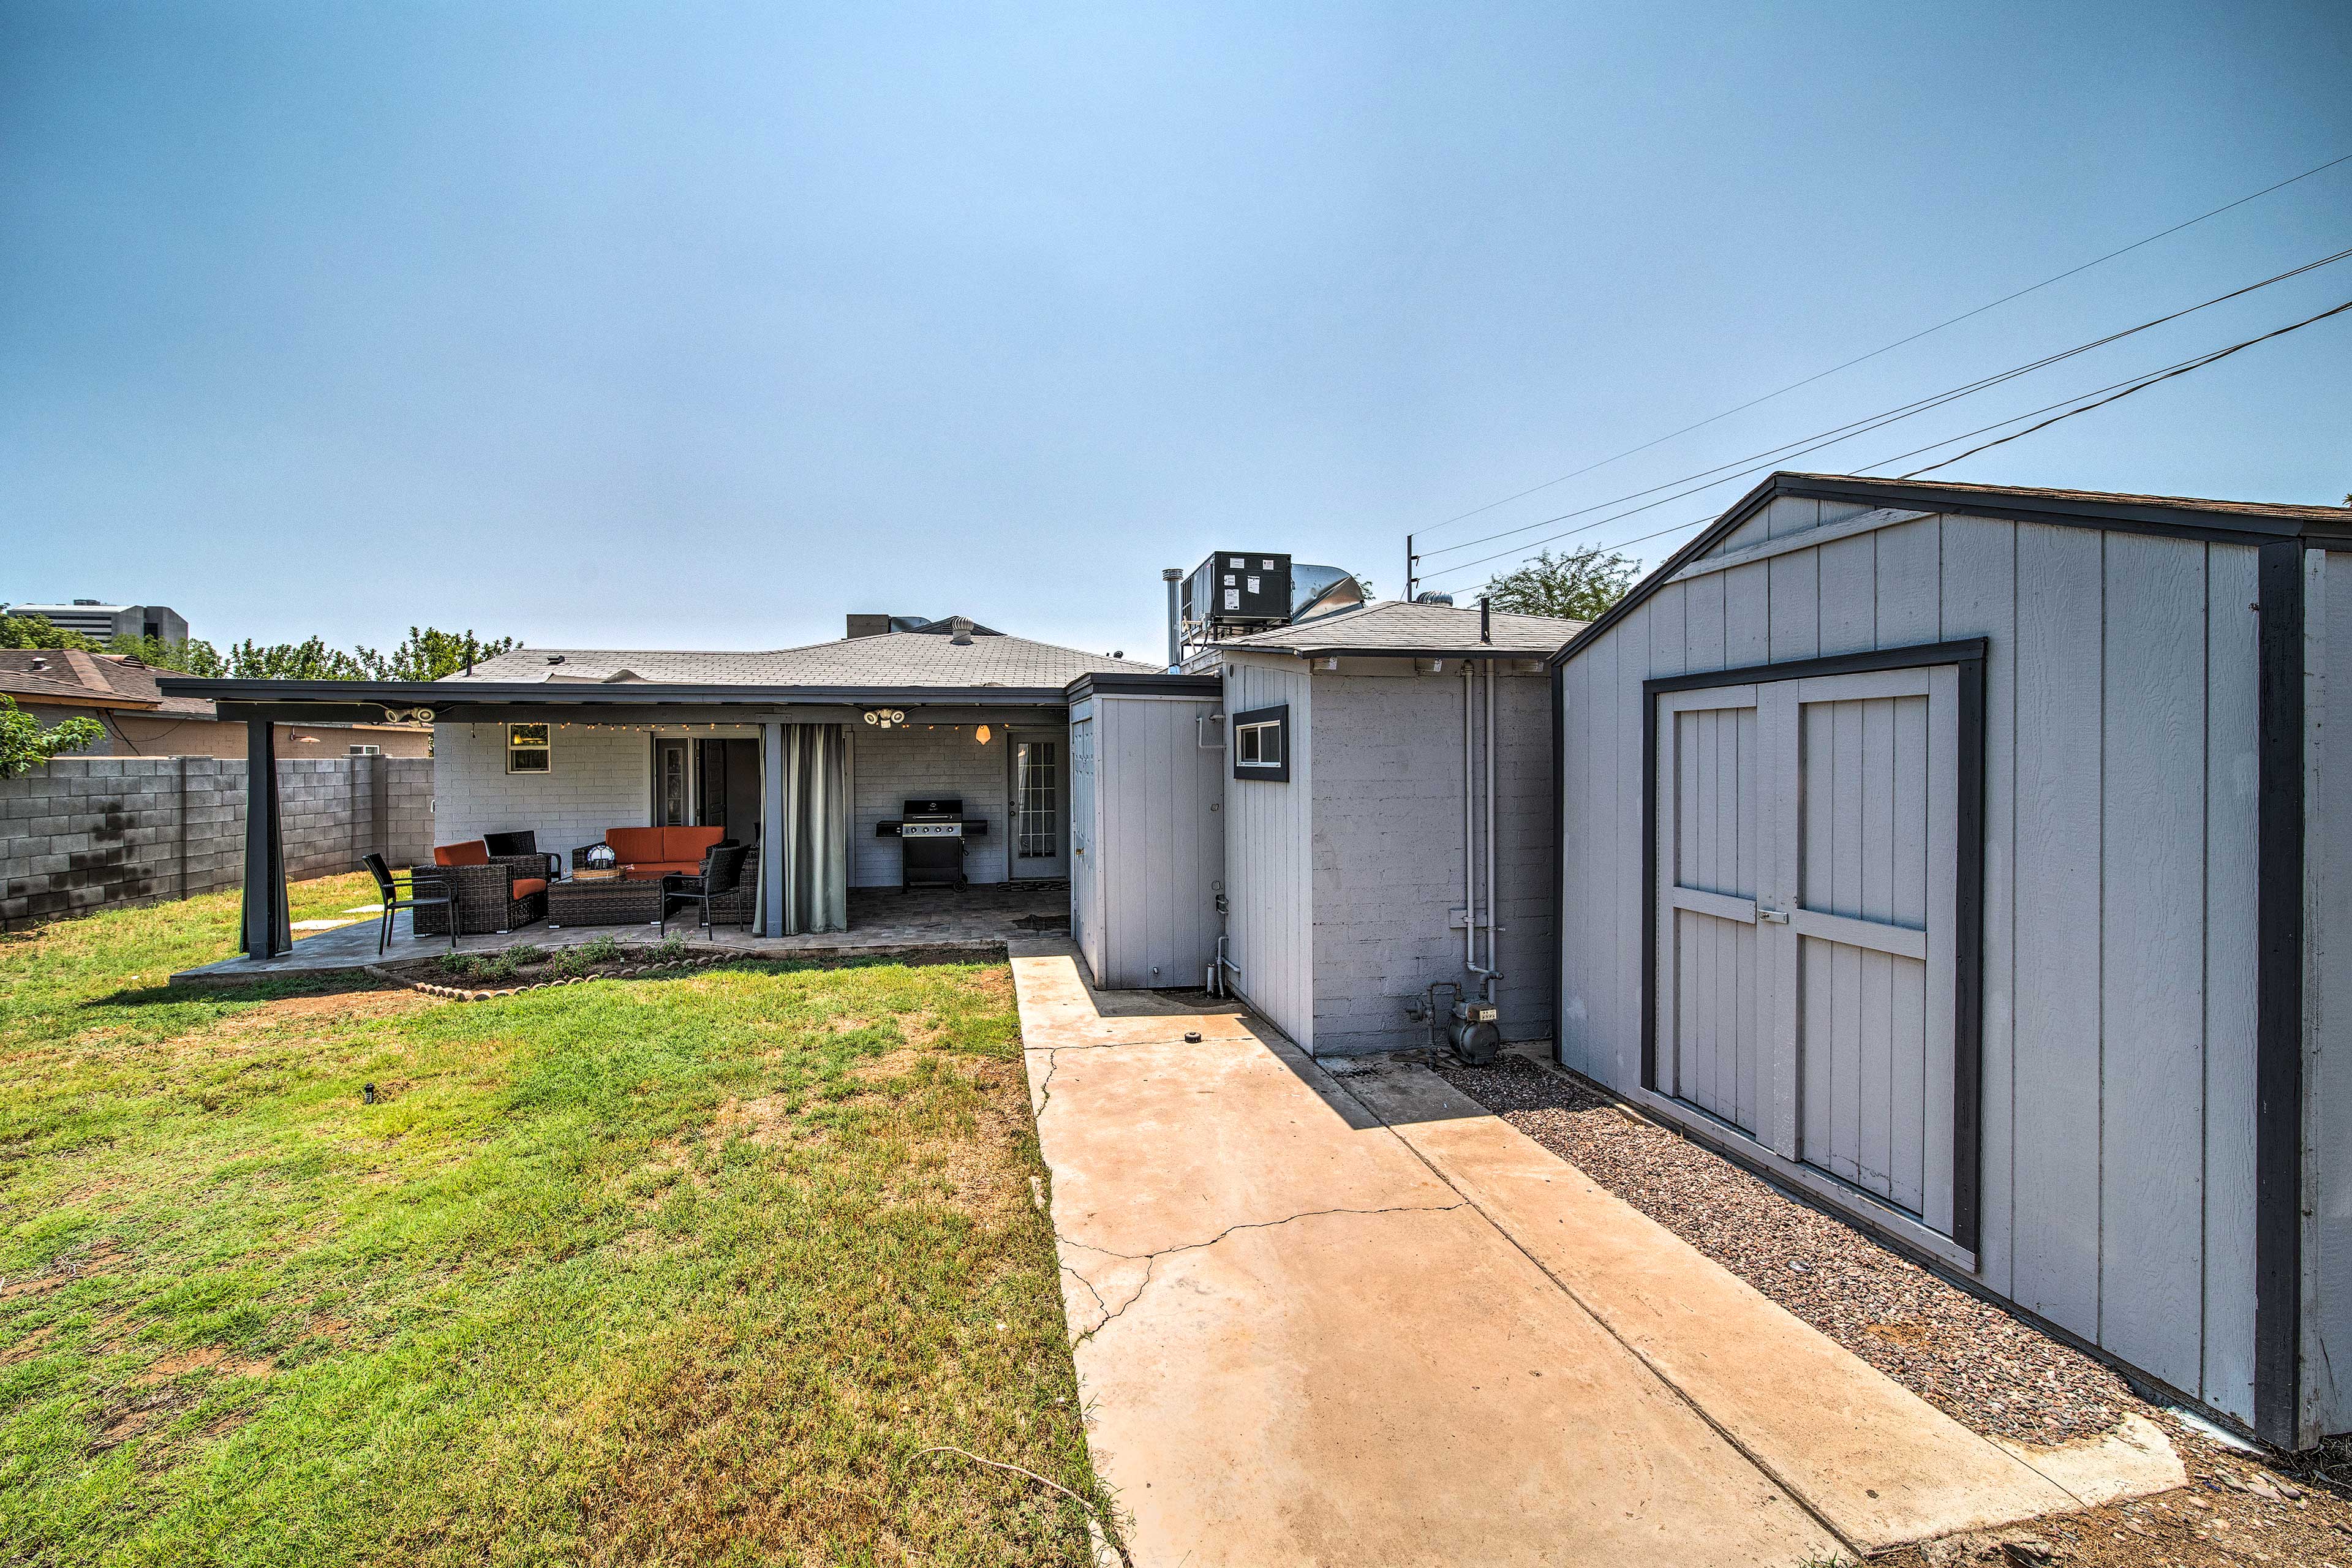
(931, 835)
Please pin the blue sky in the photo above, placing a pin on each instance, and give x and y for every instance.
(702, 326)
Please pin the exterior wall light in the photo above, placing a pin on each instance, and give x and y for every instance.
(981, 734)
(885, 718)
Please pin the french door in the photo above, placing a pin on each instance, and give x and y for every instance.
(1808, 925)
(1040, 836)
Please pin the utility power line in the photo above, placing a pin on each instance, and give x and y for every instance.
(1899, 342)
(2112, 392)
(1885, 417)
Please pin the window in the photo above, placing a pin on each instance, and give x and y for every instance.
(528, 751)
(1261, 744)
(1037, 805)
(366, 751)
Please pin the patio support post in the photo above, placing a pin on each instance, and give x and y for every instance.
(268, 932)
(772, 828)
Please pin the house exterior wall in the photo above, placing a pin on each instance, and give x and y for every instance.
(131, 732)
(1269, 838)
(79, 834)
(1388, 849)
(2117, 1110)
(598, 777)
(887, 767)
(1154, 842)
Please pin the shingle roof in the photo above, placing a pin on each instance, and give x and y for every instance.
(894, 659)
(90, 680)
(1392, 625)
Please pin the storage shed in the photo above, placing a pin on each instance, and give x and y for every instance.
(1147, 831)
(1389, 821)
(1971, 860)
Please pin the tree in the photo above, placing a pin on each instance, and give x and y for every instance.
(38, 631)
(193, 657)
(1577, 585)
(24, 744)
(428, 653)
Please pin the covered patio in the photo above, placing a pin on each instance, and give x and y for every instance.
(813, 781)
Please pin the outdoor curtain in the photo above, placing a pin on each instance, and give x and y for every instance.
(815, 847)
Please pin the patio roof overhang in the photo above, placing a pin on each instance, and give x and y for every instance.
(646, 702)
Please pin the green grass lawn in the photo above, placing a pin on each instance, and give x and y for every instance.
(651, 1271)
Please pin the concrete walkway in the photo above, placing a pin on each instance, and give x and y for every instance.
(1358, 1319)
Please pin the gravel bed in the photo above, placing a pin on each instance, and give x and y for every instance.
(1966, 1357)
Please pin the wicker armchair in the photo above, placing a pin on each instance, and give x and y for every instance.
(508, 892)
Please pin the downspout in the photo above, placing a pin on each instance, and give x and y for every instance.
(1492, 972)
(1469, 841)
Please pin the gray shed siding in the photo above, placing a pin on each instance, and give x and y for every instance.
(1269, 830)
(1151, 820)
(2119, 987)
(1388, 850)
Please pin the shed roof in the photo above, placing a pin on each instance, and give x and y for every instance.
(1391, 626)
(2190, 517)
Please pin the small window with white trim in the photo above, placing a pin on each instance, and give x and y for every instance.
(1261, 743)
(528, 749)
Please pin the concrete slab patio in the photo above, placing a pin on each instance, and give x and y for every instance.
(1356, 1319)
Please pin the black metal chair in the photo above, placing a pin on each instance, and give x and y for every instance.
(524, 842)
(722, 868)
(425, 890)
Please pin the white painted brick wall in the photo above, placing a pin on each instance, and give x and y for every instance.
(890, 765)
(598, 779)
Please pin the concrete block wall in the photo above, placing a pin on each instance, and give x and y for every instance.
(598, 777)
(82, 833)
(1387, 852)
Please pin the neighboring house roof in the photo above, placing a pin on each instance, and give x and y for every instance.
(895, 658)
(69, 676)
(1394, 627)
(2190, 517)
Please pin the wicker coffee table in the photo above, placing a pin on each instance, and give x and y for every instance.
(604, 903)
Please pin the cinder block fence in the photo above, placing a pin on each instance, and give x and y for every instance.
(82, 833)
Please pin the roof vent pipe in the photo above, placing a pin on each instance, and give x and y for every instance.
(1485, 619)
(1172, 576)
(961, 625)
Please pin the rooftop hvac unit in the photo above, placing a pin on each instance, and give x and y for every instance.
(1237, 591)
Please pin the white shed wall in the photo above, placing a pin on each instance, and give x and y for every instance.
(1269, 881)
(1157, 844)
(2118, 1071)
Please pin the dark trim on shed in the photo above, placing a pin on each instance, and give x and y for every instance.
(1205, 686)
(1476, 651)
(1967, 890)
(2278, 998)
(1559, 859)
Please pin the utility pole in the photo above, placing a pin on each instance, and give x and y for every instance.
(1411, 561)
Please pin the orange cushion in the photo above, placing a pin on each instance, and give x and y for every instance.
(690, 844)
(524, 887)
(633, 844)
(473, 852)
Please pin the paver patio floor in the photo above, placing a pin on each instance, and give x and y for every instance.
(1356, 1319)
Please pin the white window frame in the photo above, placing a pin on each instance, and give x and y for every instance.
(1255, 734)
(541, 744)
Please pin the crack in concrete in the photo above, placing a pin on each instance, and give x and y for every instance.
(1150, 1260)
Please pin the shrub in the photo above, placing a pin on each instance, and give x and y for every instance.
(672, 950)
(600, 950)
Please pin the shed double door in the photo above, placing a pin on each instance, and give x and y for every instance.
(1807, 864)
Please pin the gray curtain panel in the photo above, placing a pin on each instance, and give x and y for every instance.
(816, 828)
